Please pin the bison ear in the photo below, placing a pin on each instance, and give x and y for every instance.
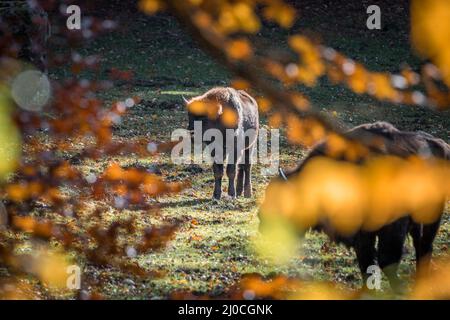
(282, 174)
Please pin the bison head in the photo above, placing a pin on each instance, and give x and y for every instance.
(194, 117)
(262, 215)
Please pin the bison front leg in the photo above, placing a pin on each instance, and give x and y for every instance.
(218, 174)
(240, 180)
(231, 173)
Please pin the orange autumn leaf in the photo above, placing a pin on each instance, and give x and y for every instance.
(434, 284)
(275, 120)
(229, 117)
(65, 171)
(150, 6)
(240, 84)
(300, 43)
(17, 192)
(239, 49)
(358, 80)
(246, 18)
(300, 101)
(27, 224)
(114, 172)
(264, 104)
(281, 13)
(380, 86)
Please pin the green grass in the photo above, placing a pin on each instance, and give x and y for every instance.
(214, 245)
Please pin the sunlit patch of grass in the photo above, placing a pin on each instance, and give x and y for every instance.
(180, 93)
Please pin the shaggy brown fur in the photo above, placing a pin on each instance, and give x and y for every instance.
(246, 110)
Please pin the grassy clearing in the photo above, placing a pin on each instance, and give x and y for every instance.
(213, 248)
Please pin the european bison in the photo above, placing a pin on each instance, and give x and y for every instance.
(221, 105)
(391, 237)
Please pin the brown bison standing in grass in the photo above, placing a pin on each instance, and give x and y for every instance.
(226, 109)
(391, 237)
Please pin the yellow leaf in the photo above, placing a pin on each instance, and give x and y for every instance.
(430, 30)
(10, 144)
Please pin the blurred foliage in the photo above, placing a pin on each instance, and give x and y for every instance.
(43, 247)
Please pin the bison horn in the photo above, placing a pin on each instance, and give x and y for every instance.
(282, 174)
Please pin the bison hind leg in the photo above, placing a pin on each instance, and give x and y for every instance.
(391, 240)
(247, 167)
(423, 238)
(248, 180)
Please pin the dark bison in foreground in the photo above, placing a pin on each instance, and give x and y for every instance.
(234, 115)
(387, 252)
